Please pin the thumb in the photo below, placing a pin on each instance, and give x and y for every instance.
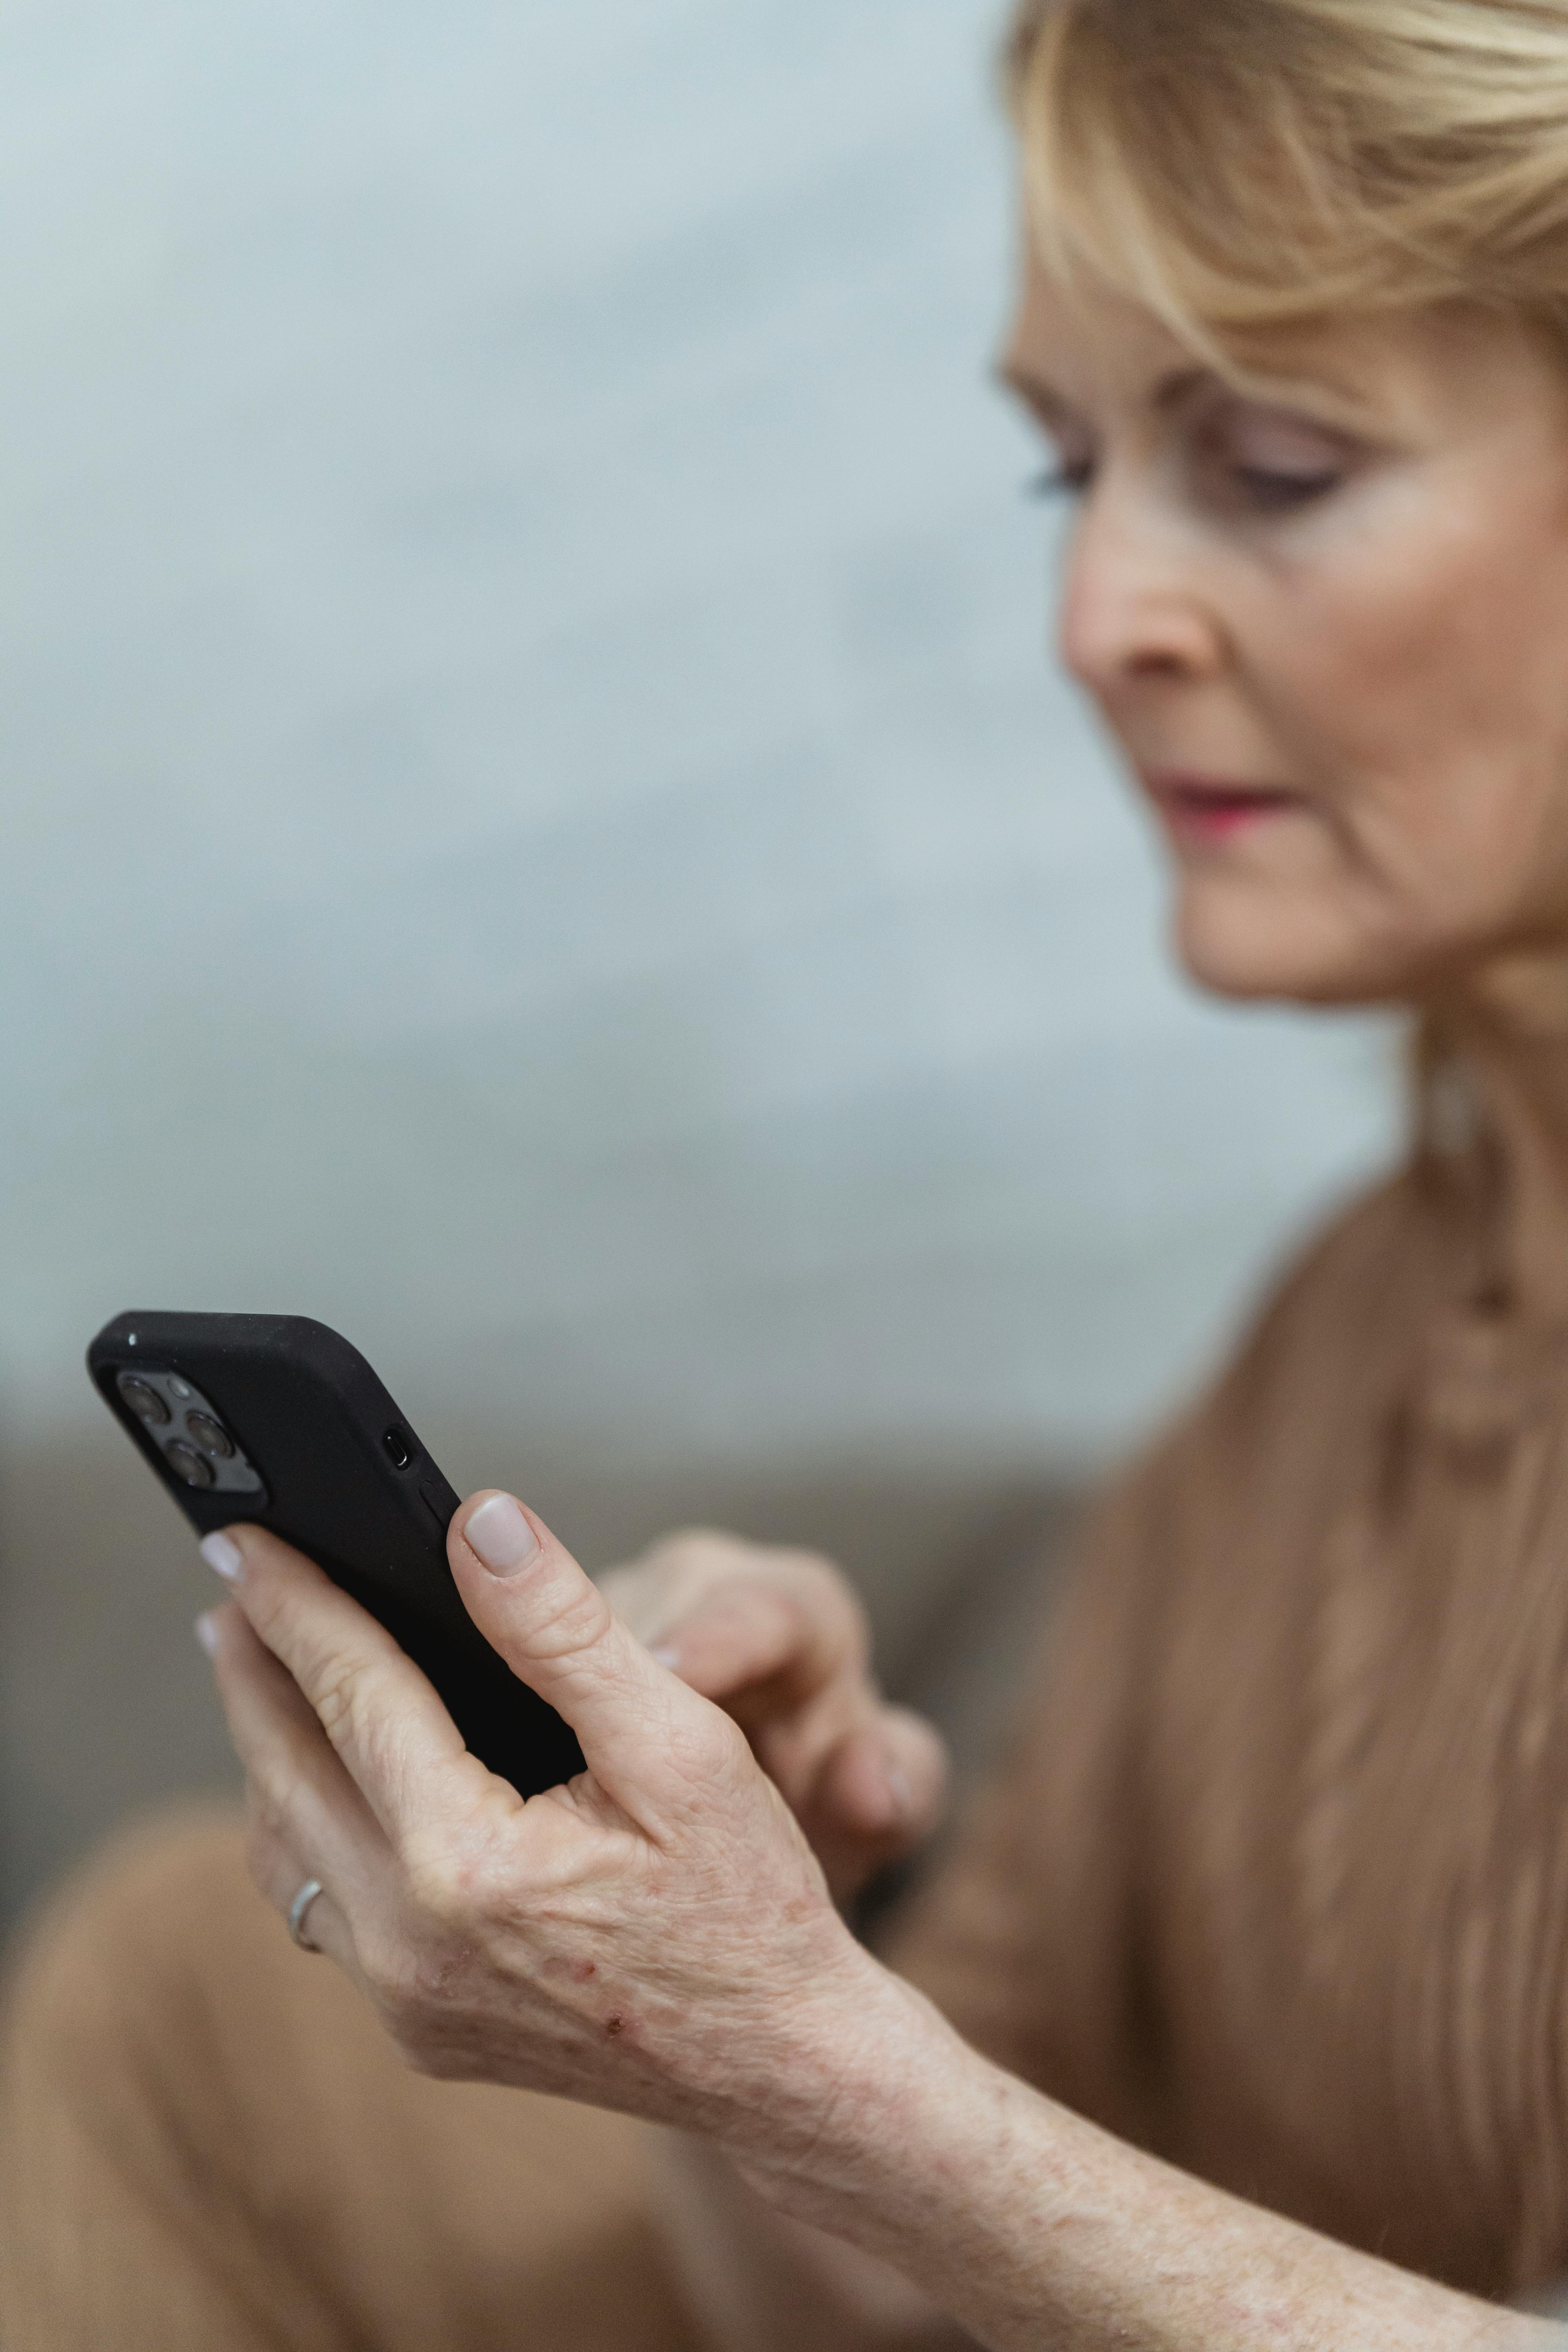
(646, 1737)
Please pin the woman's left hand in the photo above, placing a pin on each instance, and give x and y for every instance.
(656, 1936)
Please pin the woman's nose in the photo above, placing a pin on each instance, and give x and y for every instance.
(1131, 609)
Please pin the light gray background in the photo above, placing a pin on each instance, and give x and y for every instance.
(538, 825)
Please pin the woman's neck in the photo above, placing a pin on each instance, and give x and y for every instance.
(1510, 1032)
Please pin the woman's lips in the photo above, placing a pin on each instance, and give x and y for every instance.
(1205, 808)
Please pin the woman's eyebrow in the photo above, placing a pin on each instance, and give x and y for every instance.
(1319, 399)
(1170, 392)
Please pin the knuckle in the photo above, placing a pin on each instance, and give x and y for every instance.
(459, 1892)
(434, 1976)
(415, 1982)
(439, 1892)
(333, 1686)
(714, 1748)
(343, 1697)
(395, 1979)
(573, 1616)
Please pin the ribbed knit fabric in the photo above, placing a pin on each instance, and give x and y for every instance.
(1276, 1880)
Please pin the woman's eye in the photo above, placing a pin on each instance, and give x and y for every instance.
(1273, 492)
(1269, 462)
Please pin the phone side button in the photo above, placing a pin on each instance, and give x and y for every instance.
(431, 1499)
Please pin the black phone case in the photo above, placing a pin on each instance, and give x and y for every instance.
(314, 1421)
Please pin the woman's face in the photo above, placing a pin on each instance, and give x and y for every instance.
(1325, 616)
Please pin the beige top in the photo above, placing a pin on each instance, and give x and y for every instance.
(1276, 1880)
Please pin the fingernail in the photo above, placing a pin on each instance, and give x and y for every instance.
(900, 1794)
(501, 1536)
(222, 1555)
(667, 1655)
(206, 1635)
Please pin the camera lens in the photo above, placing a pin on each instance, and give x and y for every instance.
(144, 1401)
(192, 1467)
(212, 1438)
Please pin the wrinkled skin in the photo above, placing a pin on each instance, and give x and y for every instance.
(657, 1936)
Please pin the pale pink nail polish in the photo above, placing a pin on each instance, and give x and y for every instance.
(206, 1635)
(222, 1555)
(499, 1534)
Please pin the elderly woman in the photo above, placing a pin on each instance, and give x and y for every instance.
(1239, 2015)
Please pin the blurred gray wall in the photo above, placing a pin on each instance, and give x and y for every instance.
(538, 825)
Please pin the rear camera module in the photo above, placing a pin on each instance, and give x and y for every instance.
(187, 1464)
(189, 1429)
(145, 1402)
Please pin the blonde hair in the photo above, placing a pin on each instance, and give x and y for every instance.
(1236, 164)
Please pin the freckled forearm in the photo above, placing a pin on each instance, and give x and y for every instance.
(1034, 2229)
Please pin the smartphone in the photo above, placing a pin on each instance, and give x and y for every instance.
(276, 1419)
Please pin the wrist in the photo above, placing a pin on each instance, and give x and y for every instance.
(865, 2080)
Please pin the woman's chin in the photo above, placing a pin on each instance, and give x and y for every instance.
(1255, 947)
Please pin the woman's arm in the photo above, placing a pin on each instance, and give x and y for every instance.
(1034, 2229)
(658, 1938)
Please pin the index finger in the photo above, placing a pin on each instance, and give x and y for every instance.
(395, 1738)
(744, 1635)
(725, 1615)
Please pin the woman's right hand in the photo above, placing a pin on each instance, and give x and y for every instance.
(779, 1641)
